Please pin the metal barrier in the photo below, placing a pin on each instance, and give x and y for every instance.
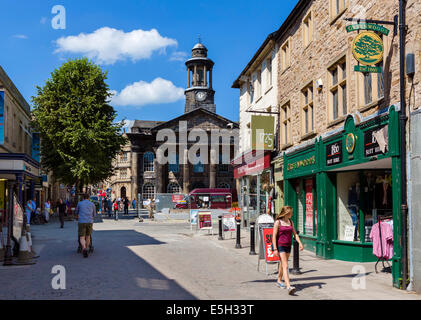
(168, 201)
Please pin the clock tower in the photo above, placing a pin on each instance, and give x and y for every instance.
(199, 92)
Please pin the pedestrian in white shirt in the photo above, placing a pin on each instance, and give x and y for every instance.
(47, 207)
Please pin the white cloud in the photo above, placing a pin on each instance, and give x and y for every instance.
(142, 93)
(20, 36)
(178, 56)
(108, 45)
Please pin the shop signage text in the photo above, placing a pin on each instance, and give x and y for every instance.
(368, 26)
(301, 163)
(262, 132)
(371, 146)
(334, 153)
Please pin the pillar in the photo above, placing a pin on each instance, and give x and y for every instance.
(195, 76)
(205, 77)
(210, 78)
(19, 186)
(212, 169)
(186, 173)
(188, 77)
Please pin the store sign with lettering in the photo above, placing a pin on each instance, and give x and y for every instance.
(368, 26)
(267, 240)
(301, 163)
(262, 132)
(334, 153)
(371, 146)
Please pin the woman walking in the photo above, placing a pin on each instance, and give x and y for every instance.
(283, 230)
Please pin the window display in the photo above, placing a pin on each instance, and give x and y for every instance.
(368, 193)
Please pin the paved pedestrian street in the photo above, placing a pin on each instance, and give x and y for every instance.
(167, 259)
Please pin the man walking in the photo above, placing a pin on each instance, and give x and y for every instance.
(61, 207)
(126, 206)
(85, 213)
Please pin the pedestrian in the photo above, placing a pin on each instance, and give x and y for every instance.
(34, 210)
(28, 211)
(126, 206)
(61, 208)
(47, 206)
(85, 213)
(283, 230)
(134, 203)
(110, 207)
(151, 208)
(115, 210)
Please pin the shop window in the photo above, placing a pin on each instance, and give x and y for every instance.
(307, 110)
(306, 206)
(367, 193)
(338, 90)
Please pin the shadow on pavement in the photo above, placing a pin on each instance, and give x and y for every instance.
(113, 271)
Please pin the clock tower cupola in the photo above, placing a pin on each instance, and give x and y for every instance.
(199, 92)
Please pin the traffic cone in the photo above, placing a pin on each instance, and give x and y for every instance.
(25, 255)
(2, 251)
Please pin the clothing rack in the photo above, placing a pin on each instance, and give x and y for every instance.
(389, 268)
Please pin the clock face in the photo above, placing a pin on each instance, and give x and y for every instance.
(200, 96)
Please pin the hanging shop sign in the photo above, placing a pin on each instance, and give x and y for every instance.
(368, 26)
(368, 50)
(334, 153)
(262, 132)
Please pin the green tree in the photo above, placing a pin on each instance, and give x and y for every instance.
(79, 138)
(368, 47)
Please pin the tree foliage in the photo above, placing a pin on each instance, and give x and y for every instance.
(368, 47)
(79, 138)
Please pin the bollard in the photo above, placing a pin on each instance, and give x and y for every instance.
(296, 257)
(238, 244)
(252, 242)
(220, 228)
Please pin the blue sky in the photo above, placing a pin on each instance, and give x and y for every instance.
(153, 39)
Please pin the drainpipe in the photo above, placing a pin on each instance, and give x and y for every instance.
(410, 239)
(403, 120)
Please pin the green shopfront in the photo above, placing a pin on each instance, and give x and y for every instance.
(342, 183)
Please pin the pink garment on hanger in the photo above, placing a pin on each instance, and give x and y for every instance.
(386, 241)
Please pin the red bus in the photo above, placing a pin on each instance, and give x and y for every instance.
(215, 198)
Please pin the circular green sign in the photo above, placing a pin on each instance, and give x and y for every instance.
(350, 143)
(368, 48)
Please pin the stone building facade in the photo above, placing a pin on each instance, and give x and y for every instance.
(339, 128)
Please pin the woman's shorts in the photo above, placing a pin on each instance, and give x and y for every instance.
(286, 249)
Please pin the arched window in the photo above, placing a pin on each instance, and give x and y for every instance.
(224, 185)
(148, 159)
(199, 167)
(148, 191)
(173, 187)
